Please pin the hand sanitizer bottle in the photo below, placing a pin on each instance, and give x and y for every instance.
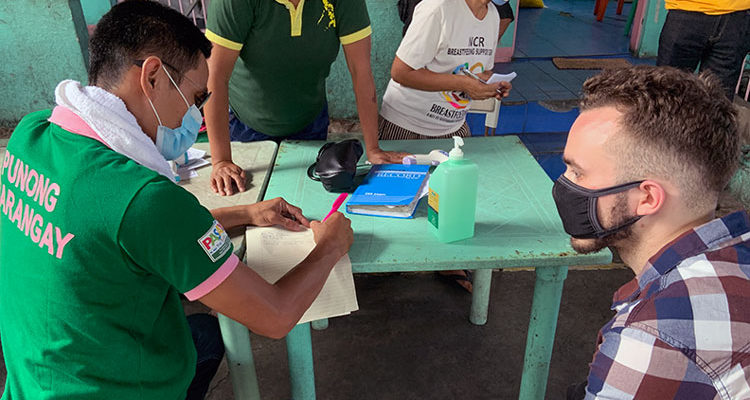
(452, 196)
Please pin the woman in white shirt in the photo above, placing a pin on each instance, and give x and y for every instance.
(428, 95)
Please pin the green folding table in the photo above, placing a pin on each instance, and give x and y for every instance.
(516, 226)
(255, 159)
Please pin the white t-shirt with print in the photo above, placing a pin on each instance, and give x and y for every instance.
(443, 37)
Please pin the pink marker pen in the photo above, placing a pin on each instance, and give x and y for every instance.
(336, 204)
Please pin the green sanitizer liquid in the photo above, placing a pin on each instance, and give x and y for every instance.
(452, 196)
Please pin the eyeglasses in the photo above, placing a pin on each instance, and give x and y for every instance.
(200, 99)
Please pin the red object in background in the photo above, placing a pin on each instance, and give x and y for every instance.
(601, 6)
(203, 126)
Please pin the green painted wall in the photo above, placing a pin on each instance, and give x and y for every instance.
(653, 21)
(44, 42)
(28, 78)
(386, 36)
(94, 9)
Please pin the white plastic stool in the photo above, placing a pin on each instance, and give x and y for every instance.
(491, 110)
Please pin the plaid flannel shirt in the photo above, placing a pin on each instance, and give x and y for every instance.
(682, 327)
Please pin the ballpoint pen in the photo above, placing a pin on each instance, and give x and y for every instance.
(336, 204)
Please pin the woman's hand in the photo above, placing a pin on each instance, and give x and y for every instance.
(477, 90)
(378, 156)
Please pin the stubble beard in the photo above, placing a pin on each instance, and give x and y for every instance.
(618, 214)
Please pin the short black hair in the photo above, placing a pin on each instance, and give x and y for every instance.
(136, 29)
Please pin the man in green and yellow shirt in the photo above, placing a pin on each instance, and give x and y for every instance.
(269, 66)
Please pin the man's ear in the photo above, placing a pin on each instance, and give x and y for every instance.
(651, 197)
(149, 73)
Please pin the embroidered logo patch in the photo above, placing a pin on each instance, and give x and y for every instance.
(328, 11)
(215, 242)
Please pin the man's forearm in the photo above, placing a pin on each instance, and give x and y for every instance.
(357, 56)
(367, 108)
(273, 310)
(217, 122)
(232, 217)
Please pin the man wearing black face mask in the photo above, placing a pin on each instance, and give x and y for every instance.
(646, 161)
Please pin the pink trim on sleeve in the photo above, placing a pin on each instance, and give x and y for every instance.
(214, 280)
(71, 122)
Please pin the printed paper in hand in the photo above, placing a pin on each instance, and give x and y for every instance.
(502, 77)
(272, 252)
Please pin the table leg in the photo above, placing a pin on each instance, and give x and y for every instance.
(480, 296)
(320, 324)
(541, 336)
(301, 372)
(239, 354)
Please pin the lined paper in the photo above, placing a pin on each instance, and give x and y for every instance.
(273, 251)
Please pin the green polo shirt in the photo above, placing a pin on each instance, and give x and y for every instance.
(278, 83)
(94, 249)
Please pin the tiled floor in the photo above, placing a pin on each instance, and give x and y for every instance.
(544, 33)
(539, 79)
(547, 32)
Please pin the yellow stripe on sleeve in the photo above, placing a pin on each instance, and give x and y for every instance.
(223, 42)
(356, 36)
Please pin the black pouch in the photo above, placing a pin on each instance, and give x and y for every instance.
(336, 165)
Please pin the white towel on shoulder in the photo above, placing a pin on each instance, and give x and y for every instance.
(108, 116)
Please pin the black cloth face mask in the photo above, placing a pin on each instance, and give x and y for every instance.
(577, 208)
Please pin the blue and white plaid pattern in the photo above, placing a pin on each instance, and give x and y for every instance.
(682, 327)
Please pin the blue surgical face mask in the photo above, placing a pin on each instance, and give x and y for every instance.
(172, 143)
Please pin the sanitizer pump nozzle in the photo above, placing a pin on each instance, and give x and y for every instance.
(456, 152)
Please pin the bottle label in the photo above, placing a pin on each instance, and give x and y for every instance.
(433, 201)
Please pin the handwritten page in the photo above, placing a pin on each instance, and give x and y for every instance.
(272, 252)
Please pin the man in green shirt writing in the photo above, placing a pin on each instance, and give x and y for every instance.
(97, 242)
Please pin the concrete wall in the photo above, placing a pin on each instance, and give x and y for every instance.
(42, 42)
(28, 75)
(94, 9)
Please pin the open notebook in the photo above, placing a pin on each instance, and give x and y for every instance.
(273, 251)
